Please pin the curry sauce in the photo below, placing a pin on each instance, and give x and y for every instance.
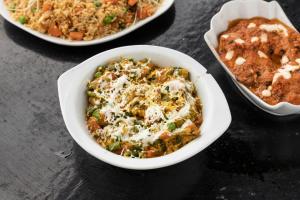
(264, 55)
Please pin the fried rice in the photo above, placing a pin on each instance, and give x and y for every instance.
(80, 19)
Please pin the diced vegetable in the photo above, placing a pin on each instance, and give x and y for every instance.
(171, 126)
(98, 74)
(109, 19)
(132, 2)
(145, 11)
(97, 3)
(114, 146)
(54, 31)
(22, 19)
(76, 35)
(92, 124)
(96, 114)
(47, 7)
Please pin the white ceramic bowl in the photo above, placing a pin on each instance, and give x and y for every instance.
(238, 9)
(166, 4)
(73, 102)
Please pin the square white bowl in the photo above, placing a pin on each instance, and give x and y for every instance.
(73, 101)
(166, 4)
(243, 9)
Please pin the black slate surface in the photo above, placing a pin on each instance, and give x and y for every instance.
(257, 158)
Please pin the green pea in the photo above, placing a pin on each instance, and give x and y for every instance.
(108, 19)
(98, 74)
(96, 114)
(91, 94)
(97, 3)
(22, 19)
(171, 126)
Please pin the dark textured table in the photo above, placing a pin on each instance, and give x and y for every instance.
(257, 158)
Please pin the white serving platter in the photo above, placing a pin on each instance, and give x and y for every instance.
(73, 101)
(243, 9)
(166, 4)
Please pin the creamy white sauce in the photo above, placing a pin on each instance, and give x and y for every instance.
(225, 36)
(154, 113)
(274, 28)
(239, 41)
(262, 54)
(285, 72)
(229, 55)
(284, 59)
(143, 136)
(264, 38)
(251, 25)
(183, 112)
(186, 123)
(254, 39)
(175, 85)
(117, 92)
(240, 61)
(266, 93)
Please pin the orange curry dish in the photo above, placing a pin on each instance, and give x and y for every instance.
(264, 55)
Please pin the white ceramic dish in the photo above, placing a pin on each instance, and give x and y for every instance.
(238, 9)
(72, 97)
(166, 4)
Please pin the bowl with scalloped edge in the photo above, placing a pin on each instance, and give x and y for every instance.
(73, 103)
(244, 9)
(165, 5)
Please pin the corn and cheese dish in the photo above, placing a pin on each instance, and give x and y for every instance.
(139, 109)
(80, 19)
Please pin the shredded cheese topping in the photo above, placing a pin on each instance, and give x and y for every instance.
(137, 102)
